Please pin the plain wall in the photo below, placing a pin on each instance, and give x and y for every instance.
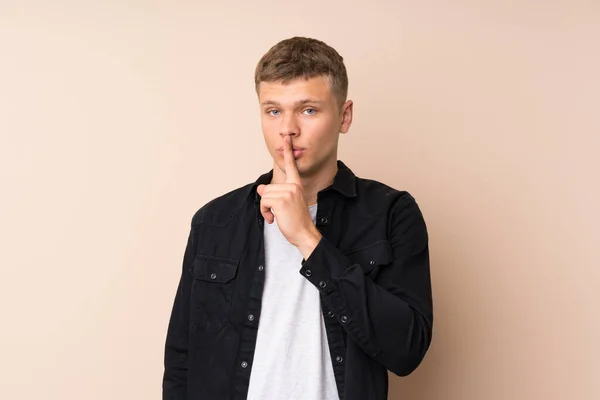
(119, 119)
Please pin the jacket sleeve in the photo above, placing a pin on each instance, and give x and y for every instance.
(174, 385)
(390, 317)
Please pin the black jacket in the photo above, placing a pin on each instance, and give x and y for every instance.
(371, 268)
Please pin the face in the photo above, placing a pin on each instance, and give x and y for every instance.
(308, 111)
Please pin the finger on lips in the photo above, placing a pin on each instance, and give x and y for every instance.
(271, 194)
(291, 170)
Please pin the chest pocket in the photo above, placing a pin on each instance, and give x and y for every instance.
(212, 291)
(372, 257)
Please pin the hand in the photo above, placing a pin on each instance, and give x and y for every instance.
(286, 201)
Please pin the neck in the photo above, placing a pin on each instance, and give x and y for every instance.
(312, 183)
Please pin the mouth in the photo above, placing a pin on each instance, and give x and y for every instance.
(298, 151)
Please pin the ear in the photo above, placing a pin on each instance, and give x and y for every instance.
(347, 110)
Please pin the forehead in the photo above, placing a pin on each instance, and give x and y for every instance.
(317, 88)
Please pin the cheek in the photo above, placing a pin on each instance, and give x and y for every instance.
(326, 123)
(323, 132)
(264, 125)
(271, 142)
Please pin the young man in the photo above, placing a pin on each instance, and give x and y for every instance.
(331, 292)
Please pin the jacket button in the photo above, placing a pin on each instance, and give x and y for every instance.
(261, 267)
(308, 272)
(322, 284)
(244, 364)
(324, 220)
(213, 276)
(344, 319)
(339, 359)
(330, 314)
(372, 262)
(250, 317)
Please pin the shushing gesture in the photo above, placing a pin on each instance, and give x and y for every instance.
(286, 202)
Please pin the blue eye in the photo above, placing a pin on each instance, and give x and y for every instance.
(310, 113)
(271, 112)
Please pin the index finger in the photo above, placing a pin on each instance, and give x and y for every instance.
(291, 170)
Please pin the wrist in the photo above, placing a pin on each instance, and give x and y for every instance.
(309, 242)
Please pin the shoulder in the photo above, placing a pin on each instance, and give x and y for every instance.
(379, 196)
(223, 208)
(404, 217)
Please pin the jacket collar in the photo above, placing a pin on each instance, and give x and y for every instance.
(344, 182)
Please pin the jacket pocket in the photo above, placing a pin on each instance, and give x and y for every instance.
(212, 291)
(372, 256)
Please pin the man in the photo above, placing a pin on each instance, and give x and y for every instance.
(331, 292)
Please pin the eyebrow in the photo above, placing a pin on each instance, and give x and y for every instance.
(298, 103)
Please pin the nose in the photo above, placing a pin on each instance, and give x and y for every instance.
(289, 126)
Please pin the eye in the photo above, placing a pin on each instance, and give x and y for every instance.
(310, 111)
(273, 113)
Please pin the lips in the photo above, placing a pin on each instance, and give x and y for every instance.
(280, 149)
(296, 150)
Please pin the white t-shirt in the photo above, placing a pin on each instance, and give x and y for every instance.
(292, 359)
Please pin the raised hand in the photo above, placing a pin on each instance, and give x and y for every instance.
(286, 202)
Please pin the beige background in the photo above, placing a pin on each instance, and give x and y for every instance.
(119, 119)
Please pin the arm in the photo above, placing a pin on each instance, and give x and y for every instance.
(176, 348)
(391, 318)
